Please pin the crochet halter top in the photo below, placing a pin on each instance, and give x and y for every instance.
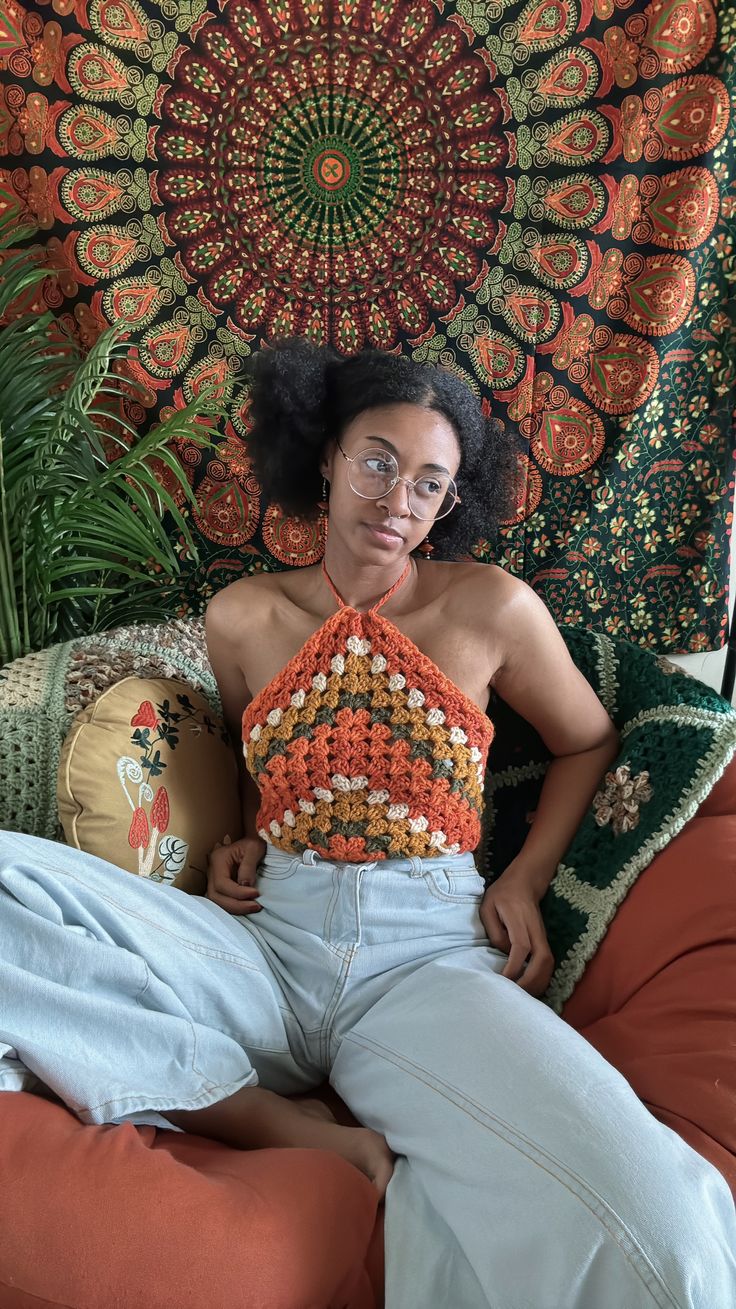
(362, 748)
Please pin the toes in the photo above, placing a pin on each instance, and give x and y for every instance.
(383, 1175)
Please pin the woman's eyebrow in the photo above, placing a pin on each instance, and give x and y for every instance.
(375, 436)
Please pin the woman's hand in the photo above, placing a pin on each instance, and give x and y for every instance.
(232, 870)
(510, 913)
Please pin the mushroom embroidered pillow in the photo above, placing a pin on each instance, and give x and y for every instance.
(148, 781)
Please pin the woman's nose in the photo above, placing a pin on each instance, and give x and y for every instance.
(397, 500)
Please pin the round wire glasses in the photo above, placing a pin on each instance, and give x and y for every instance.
(375, 472)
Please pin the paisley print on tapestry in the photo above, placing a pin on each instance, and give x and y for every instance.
(538, 195)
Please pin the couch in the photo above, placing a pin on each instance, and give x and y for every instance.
(100, 1217)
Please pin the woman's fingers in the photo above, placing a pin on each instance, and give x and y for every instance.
(232, 891)
(518, 955)
(229, 895)
(495, 928)
(231, 878)
(247, 873)
(222, 888)
(233, 906)
(530, 962)
(518, 930)
(538, 973)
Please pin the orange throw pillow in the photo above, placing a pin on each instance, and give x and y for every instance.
(148, 780)
(110, 1217)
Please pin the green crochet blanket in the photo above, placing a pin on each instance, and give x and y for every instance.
(677, 736)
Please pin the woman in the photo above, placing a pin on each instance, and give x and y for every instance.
(347, 932)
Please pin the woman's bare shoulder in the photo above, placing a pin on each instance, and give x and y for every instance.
(247, 598)
(486, 603)
(512, 611)
(255, 598)
(484, 584)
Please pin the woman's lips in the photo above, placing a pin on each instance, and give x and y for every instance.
(385, 535)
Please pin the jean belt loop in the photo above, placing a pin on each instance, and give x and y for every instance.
(310, 857)
(416, 866)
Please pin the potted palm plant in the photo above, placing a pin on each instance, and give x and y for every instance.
(83, 541)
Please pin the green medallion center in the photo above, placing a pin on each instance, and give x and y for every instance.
(332, 167)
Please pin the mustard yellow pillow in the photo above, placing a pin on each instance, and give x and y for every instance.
(148, 780)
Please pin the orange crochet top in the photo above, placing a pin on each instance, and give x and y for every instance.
(363, 749)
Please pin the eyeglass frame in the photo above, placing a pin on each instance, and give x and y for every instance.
(351, 459)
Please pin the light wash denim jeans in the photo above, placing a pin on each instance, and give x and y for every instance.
(529, 1174)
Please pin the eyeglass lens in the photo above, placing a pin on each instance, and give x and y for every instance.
(375, 472)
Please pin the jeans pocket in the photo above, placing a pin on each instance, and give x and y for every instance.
(457, 885)
(277, 869)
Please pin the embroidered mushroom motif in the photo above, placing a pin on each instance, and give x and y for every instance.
(145, 716)
(160, 857)
(159, 823)
(138, 832)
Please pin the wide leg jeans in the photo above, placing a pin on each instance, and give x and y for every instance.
(529, 1175)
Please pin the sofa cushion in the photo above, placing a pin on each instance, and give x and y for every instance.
(41, 693)
(659, 998)
(148, 781)
(109, 1217)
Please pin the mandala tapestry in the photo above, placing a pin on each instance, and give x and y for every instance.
(539, 194)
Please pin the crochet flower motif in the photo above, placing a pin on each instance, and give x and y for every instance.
(667, 667)
(619, 799)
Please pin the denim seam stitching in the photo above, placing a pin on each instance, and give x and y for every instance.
(338, 991)
(282, 877)
(153, 1102)
(448, 897)
(486, 1119)
(223, 955)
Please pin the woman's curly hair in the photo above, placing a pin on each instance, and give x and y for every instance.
(303, 396)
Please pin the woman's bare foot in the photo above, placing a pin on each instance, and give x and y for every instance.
(309, 1123)
(370, 1153)
(255, 1118)
(316, 1108)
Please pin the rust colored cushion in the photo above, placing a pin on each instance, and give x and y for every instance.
(659, 998)
(111, 1217)
(147, 780)
(722, 798)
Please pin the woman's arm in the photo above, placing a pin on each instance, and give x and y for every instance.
(539, 680)
(232, 865)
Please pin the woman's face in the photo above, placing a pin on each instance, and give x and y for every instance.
(424, 446)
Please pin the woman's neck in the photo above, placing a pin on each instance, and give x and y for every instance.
(362, 585)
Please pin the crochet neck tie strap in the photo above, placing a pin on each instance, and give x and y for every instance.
(382, 601)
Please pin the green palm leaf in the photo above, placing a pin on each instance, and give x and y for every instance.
(83, 515)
